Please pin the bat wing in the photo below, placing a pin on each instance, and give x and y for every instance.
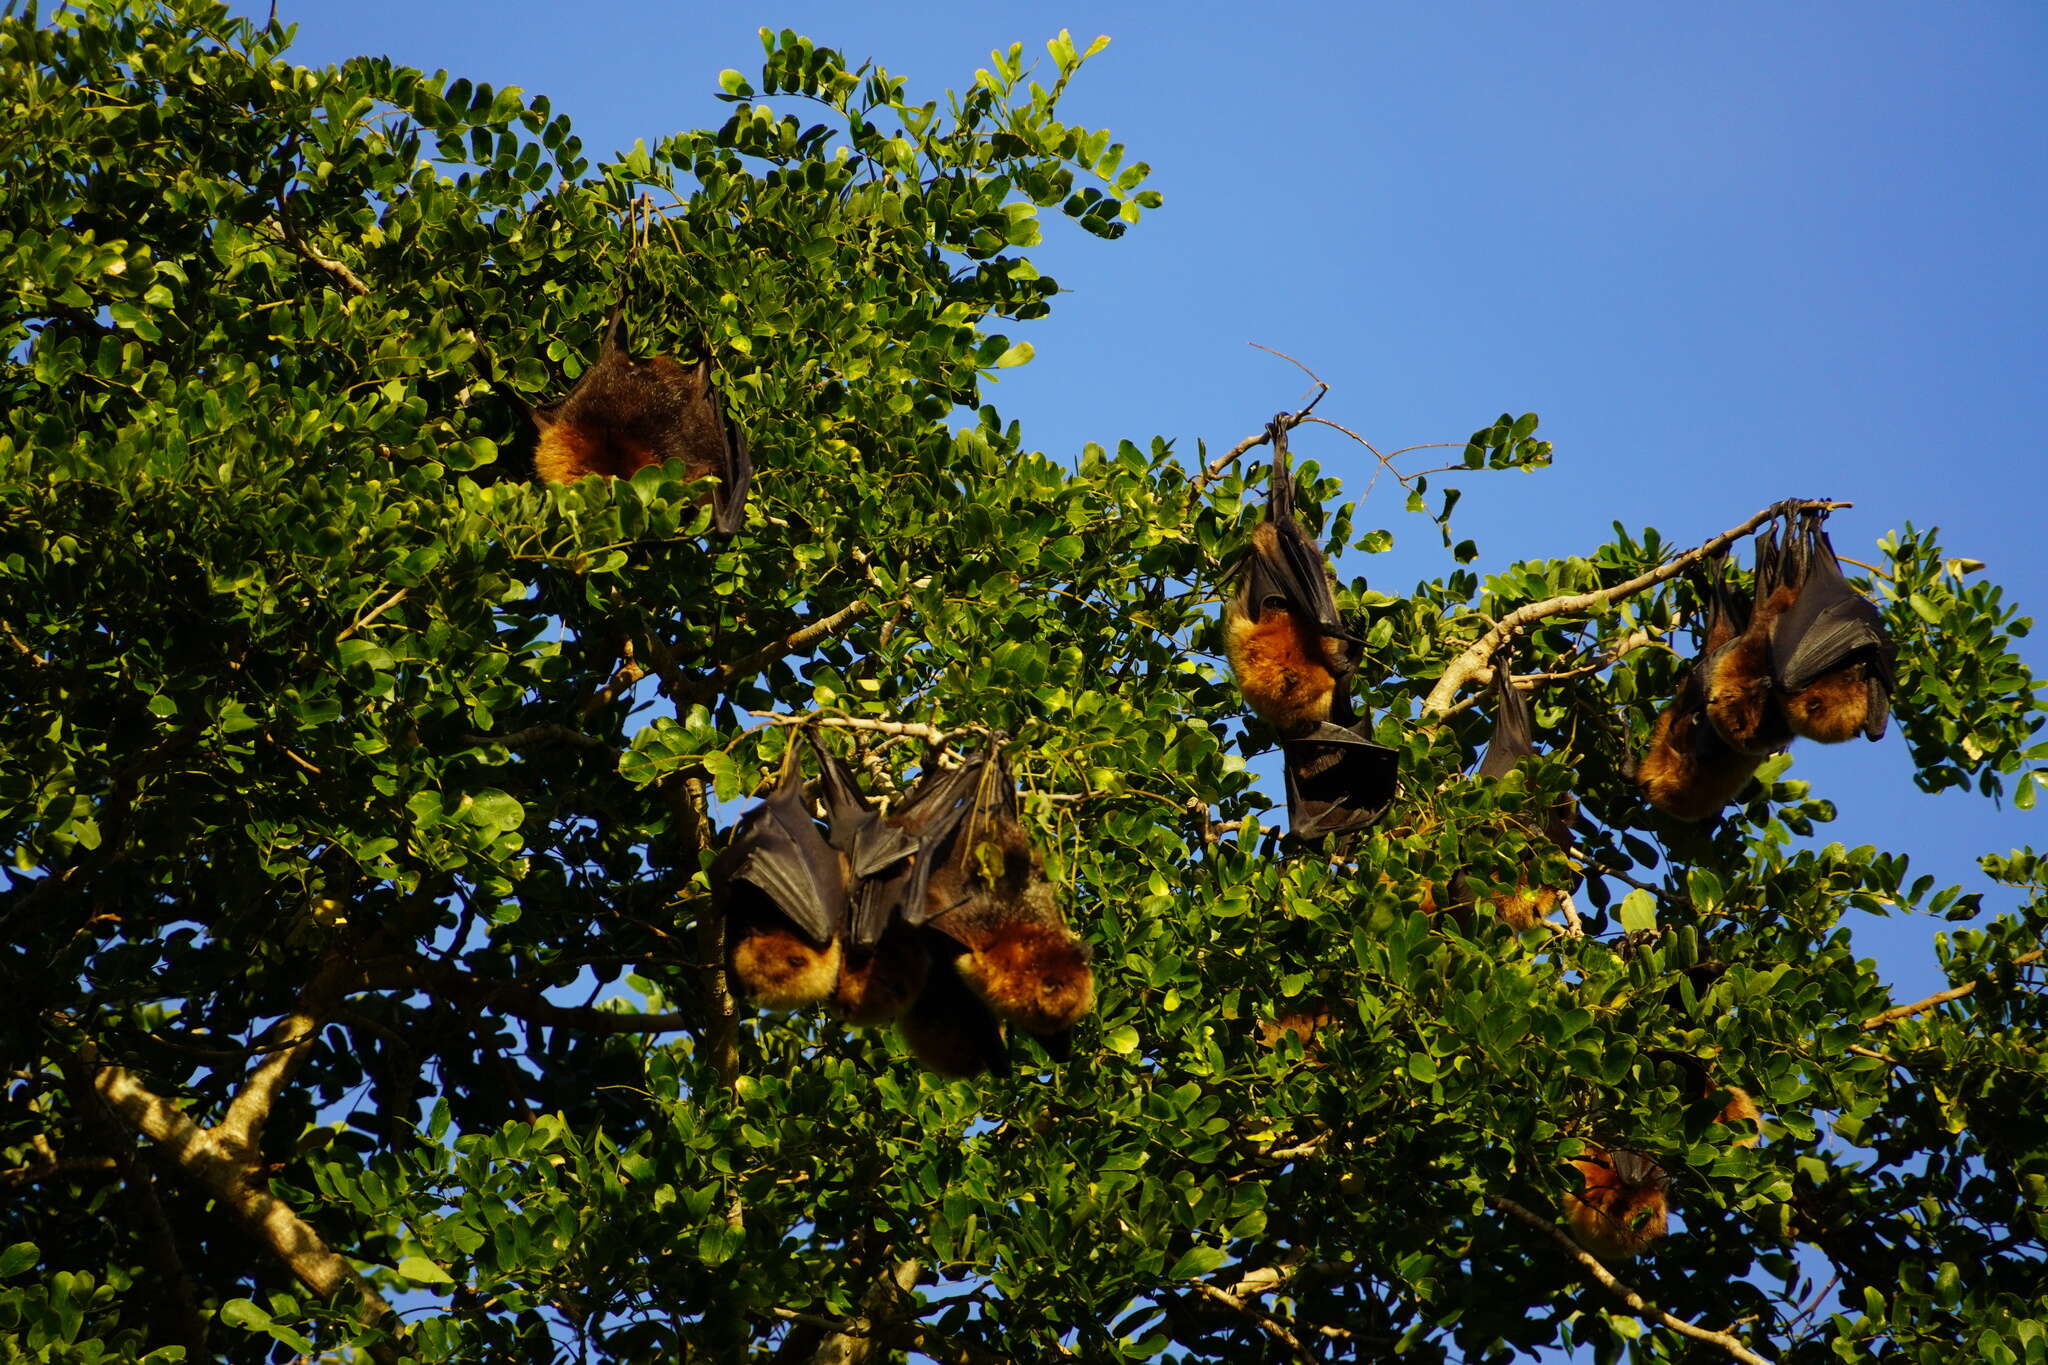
(872, 847)
(1513, 734)
(735, 470)
(778, 850)
(941, 811)
(1338, 780)
(1829, 625)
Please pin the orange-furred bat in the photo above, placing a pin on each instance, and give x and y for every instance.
(1623, 1203)
(782, 889)
(1832, 656)
(1689, 772)
(1738, 679)
(987, 894)
(624, 414)
(1293, 657)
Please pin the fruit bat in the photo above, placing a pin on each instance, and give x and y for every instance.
(1741, 688)
(1623, 1204)
(624, 414)
(1291, 655)
(1830, 652)
(884, 962)
(1514, 740)
(1688, 771)
(783, 890)
(987, 894)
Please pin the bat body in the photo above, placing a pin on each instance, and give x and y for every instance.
(624, 414)
(783, 891)
(1688, 771)
(987, 894)
(1623, 1203)
(1832, 657)
(948, 1028)
(1514, 740)
(1739, 1110)
(884, 962)
(1740, 684)
(1292, 657)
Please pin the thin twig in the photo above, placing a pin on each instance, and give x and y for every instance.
(930, 734)
(1636, 1303)
(535, 735)
(386, 605)
(1898, 1012)
(298, 243)
(1266, 1323)
(1477, 657)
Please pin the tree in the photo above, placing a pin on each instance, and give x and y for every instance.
(365, 994)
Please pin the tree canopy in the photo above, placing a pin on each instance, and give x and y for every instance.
(365, 990)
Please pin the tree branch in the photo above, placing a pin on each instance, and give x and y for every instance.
(1635, 1302)
(514, 998)
(1939, 998)
(1266, 1323)
(1477, 657)
(221, 1168)
(298, 243)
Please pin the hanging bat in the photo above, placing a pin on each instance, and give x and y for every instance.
(948, 1028)
(782, 888)
(1623, 1204)
(1286, 643)
(884, 962)
(1292, 655)
(1688, 771)
(1733, 1105)
(1832, 656)
(988, 894)
(1740, 684)
(1514, 740)
(624, 414)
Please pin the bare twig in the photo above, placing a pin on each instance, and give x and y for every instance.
(298, 243)
(1212, 471)
(1477, 657)
(372, 614)
(20, 646)
(1635, 1302)
(930, 734)
(534, 736)
(1265, 1322)
(1939, 998)
(1530, 682)
(63, 1167)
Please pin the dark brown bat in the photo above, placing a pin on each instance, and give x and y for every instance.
(625, 414)
(885, 961)
(1292, 656)
(1689, 772)
(1832, 656)
(1623, 1204)
(782, 889)
(1741, 688)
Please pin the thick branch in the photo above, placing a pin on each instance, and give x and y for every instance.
(1635, 1302)
(1266, 1323)
(1939, 998)
(856, 1341)
(289, 1045)
(298, 243)
(220, 1168)
(1478, 656)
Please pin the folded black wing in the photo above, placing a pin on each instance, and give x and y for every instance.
(1289, 570)
(873, 848)
(1831, 624)
(1338, 779)
(1513, 733)
(778, 850)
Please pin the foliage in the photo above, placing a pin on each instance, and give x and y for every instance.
(334, 812)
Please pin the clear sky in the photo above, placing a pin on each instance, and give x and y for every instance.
(1730, 253)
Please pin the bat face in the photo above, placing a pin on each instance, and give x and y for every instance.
(1623, 1206)
(878, 986)
(778, 968)
(626, 414)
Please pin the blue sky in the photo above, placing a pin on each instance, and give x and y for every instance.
(1730, 253)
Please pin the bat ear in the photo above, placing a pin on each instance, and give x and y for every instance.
(616, 341)
(542, 414)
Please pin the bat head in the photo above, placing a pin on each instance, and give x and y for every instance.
(1624, 1205)
(1033, 974)
(779, 969)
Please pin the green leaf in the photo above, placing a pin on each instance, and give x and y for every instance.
(1197, 1261)
(245, 1314)
(420, 1270)
(1016, 355)
(17, 1258)
(1638, 911)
